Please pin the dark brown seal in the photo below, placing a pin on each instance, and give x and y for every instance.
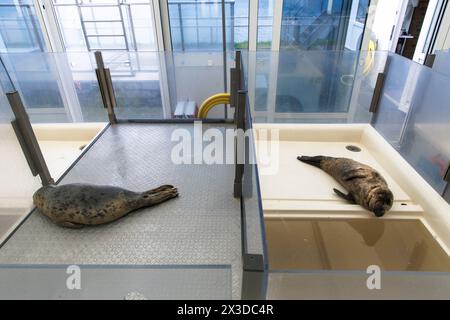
(365, 185)
(76, 205)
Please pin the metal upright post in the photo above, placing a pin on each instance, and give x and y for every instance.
(378, 90)
(27, 139)
(106, 87)
(239, 156)
(429, 60)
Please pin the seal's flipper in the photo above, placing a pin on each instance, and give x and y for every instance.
(313, 161)
(68, 224)
(347, 197)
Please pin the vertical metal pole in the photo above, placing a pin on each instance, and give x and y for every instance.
(240, 125)
(27, 139)
(429, 60)
(106, 87)
(224, 46)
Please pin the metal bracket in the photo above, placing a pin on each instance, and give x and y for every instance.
(378, 90)
(377, 93)
(27, 139)
(106, 87)
(240, 124)
(254, 277)
(429, 60)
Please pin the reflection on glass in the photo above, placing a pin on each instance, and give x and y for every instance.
(318, 25)
(236, 12)
(265, 24)
(19, 27)
(394, 245)
(107, 25)
(196, 25)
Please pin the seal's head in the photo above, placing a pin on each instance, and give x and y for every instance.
(380, 201)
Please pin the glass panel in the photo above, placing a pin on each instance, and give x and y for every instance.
(152, 85)
(254, 218)
(19, 27)
(56, 87)
(415, 118)
(137, 84)
(314, 244)
(299, 86)
(265, 24)
(237, 24)
(61, 94)
(320, 25)
(70, 26)
(117, 282)
(371, 63)
(94, 25)
(17, 184)
(353, 285)
(195, 26)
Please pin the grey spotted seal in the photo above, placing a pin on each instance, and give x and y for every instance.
(77, 205)
(365, 185)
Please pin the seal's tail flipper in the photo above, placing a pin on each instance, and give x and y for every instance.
(158, 195)
(314, 161)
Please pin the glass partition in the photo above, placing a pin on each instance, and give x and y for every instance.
(312, 86)
(19, 27)
(56, 87)
(115, 282)
(165, 85)
(414, 117)
(61, 95)
(357, 285)
(17, 183)
(319, 246)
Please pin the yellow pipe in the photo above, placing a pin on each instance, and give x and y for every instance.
(211, 102)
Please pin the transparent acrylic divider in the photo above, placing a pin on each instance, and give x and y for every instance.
(254, 218)
(415, 118)
(370, 64)
(17, 183)
(57, 87)
(117, 282)
(164, 85)
(294, 86)
(306, 284)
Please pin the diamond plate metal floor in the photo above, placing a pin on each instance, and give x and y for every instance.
(202, 226)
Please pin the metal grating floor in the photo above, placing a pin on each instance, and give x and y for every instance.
(202, 226)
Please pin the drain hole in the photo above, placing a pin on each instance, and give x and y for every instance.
(404, 204)
(353, 148)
